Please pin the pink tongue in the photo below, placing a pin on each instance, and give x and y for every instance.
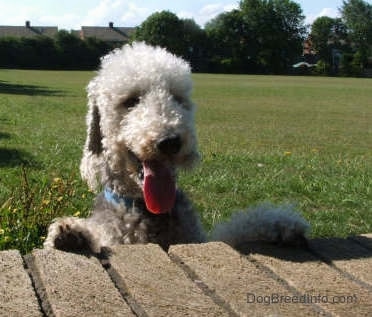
(159, 187)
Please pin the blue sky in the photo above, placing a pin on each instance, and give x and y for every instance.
(71, 14)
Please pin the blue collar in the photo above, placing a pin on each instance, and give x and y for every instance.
(116, 199)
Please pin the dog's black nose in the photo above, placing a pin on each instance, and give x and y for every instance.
(169, 146)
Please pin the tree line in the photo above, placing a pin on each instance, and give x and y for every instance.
(260, 36)
(344, 45)
(65, 51)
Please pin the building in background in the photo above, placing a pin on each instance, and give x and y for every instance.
(28, 31)
(110, 34)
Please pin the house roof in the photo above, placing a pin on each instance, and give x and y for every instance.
(28, 31)
(107, 34)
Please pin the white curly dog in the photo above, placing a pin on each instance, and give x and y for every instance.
(140, 132)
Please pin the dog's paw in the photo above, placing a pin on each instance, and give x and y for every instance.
(274, 224)
(70, 234)
(291, 237)
(290, 229)
(70, 239)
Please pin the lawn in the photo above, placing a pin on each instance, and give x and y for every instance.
(299, 140)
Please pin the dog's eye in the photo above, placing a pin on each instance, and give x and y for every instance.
(183, 102)
(178, 99)
(131, 102)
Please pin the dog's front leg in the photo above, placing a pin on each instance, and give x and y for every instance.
(73, 234)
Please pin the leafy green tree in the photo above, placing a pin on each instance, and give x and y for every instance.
(194, 45)
(95, 49)
(66, 51)
(164, 29)
(70, 50)
(182, 37)
(45, 50)
(329, 36)
(278, 30)
(357, 16)
(38, 52)
(9, 48)
(261, 36)
(230, 44)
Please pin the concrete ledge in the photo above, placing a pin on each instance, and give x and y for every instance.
(238, 281)
(158, 285)
(74, 285)
(347, 256)
(17, 296)
(332, 277)
(325, 285)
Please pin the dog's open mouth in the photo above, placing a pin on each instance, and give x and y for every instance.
(158, 185)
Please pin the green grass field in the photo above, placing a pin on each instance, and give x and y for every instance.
(300, 140)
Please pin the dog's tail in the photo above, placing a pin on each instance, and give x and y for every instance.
(266, 222)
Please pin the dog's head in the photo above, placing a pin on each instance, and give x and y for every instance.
(140, 125)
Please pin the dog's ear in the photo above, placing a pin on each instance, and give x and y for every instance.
(94, 137)
(92, 161)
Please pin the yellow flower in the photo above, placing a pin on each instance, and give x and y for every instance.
(2, 231)
(287, 153)
(57, 180)
(46, 202)
(77, 214)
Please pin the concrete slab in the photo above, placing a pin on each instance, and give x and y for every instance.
(74, 285)
(146, 274)
(319, 282)
(347, 255)
(332, 277)
(17, 297)
(249, 290)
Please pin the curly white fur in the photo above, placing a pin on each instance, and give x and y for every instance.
(280, 224)
(140, 132)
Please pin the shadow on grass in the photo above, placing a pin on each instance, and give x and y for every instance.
(30, 90)
(4, 135)
(14, 158)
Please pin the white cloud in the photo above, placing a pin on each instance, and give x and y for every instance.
(230, 7)
(101, 12)
(329, 12)
(210, 11)
(134, 15)
(185, 15)
(12, 13)
(121, 12)
(65, 21)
